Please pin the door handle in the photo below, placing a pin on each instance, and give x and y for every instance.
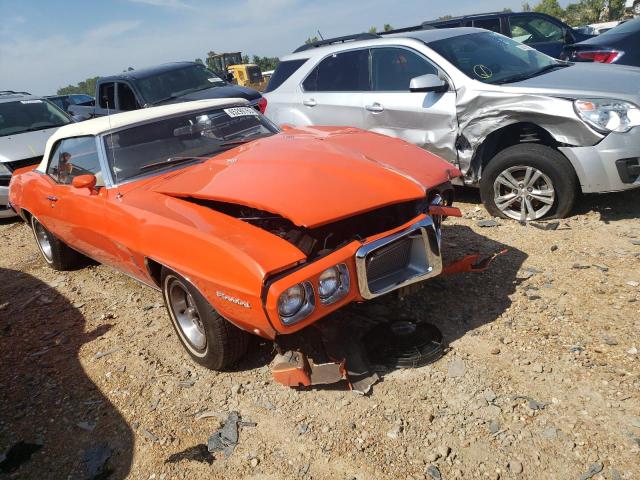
(310, 102)
(52, 198)
(375, 108)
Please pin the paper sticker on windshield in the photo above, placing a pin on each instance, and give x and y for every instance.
(240, 112)
(30, 101)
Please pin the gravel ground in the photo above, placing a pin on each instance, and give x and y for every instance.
(540, 381)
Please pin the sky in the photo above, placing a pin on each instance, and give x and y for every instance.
(48, 44)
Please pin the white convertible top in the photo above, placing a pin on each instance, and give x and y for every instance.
(99, 125)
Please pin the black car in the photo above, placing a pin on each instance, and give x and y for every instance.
(538, 30)
(160, 85)
(619, 45)
(64, 101)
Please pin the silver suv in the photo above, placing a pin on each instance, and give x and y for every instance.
(26, 123)
(529, 130)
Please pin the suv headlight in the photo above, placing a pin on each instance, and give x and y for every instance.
(296, 303)
(4, 170)
(607, 115)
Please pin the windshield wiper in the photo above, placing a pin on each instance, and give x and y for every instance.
(170, 161)
(525, 76)
(243, 140)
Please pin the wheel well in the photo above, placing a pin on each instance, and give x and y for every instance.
(155, 270)
(506, 137)
(26, 216)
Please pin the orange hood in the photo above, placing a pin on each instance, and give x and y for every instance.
(313, 176)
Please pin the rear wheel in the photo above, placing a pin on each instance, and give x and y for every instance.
(529, 182)
(208, 337)
(55, 252)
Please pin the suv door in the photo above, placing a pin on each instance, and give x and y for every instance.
(424, 119)
(538, 32)
(332, 91)
(106, 101)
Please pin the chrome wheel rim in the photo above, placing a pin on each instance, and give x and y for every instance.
(523, 193)
(43, 241)
(185, 314)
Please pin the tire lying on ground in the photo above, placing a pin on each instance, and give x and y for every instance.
(529, 182)
(209, 338)
(55, 252)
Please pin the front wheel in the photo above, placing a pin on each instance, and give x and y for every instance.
(208, 337)
(529, 182)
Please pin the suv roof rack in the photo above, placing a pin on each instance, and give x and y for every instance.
(463, 17)
(330, 41)
(422, 26)
(11, 92)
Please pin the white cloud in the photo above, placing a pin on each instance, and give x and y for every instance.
(33, 61)
(164, 3)
(113, 29)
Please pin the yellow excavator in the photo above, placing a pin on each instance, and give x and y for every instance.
(230, 67)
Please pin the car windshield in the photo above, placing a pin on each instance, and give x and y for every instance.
(177, 82)
(630, 26)
(28, 116)
(180, 140)
(493, 58)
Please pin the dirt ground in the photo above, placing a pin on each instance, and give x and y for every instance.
(541, 379)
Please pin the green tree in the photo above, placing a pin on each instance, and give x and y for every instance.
(387, 27)
(373, 30)
(199, 60)
(550, 7)
(311, 40)
(87, 86)
(266, 63)
(245, 59)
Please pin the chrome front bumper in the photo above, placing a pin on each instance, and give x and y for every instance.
(390, 263)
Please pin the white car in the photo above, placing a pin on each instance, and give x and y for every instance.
(26, 123)
(529, 130)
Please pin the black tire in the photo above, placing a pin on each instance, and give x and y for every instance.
(553, 165)
(54, 251)
(225, 343)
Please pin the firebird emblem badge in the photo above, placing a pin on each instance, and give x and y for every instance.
(229, 298)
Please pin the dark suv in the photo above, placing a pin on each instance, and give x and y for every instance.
(538, 30)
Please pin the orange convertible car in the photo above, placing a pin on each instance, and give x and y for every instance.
(244, 228)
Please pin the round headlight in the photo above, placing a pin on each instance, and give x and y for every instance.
(329, 282)
(291, 301)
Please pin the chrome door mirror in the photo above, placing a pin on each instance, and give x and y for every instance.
(428, 83)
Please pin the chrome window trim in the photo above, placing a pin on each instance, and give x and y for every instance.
(417, 51)
(102, 150)
(346, 50)
(431, 240)
(440, 70)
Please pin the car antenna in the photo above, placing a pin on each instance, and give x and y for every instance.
(113, 151)
(321, 37)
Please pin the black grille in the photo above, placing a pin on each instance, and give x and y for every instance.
(389, 260)
(23, 163)
(4, 181)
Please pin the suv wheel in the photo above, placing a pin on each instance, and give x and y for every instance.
(208, 337)
(529, 182)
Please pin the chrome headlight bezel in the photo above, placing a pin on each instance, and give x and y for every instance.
(606, 115)
(308, 304)
(344, 283)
